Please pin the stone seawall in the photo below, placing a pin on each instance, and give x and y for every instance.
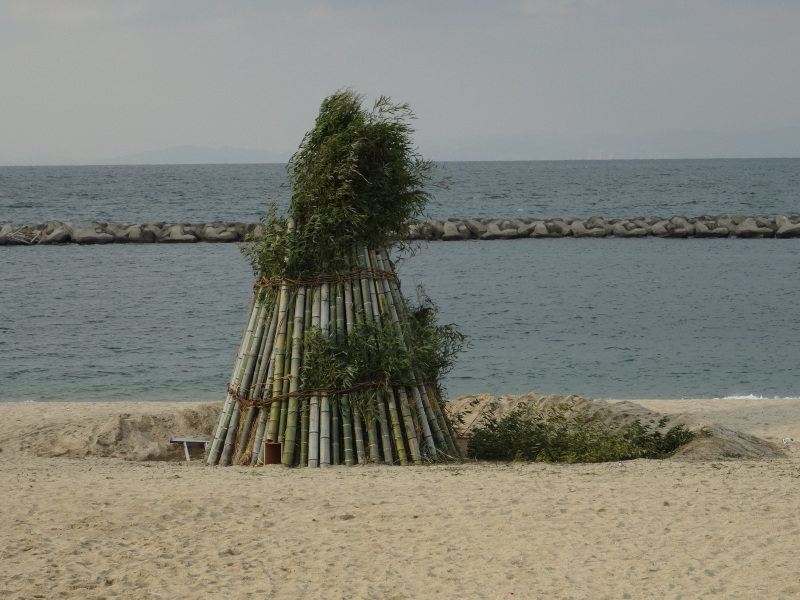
(741, 226)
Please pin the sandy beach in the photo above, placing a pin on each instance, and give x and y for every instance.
(97, 504)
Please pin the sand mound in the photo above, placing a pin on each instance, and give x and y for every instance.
(140, 431)
(724, 442)
(134, 431)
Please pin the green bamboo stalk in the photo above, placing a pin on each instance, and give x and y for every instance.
(372, 438)
(287, 366)
(397, 430)
(304, 429)
(396, 298)
(372, 306)
(313, 425)
(386, 439)
(381, 302)
(444, 424)
(336, 433)
(425, 417)
(290, 439)
(325, 406)
(349, 312)
(364, 282)
(257, 390)
(356, 316)
(371, 283)
(316, 306)
(248, 373)
(313, 432)
(340, 328)
(256, 456)
(423, 420)
(344, 327)
(433, 421)
(358, 435)
(438, 421)
(278, 356)
(325, 431)
(263, 351)
(263, 416)
(304, 402)
(337, 328)
(411, 430)
(230, 438)
(347, 430)
(228, 406)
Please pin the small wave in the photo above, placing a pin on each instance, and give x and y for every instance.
(753, 397)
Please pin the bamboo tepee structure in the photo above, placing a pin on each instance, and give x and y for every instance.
(335, 366)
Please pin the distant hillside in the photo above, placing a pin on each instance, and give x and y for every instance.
(194, 155)
(775, 143)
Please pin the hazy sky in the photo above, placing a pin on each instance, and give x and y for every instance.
(83, 79)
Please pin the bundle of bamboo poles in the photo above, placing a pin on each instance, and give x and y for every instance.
(404, 423)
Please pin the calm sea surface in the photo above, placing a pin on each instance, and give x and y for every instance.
(604, 318)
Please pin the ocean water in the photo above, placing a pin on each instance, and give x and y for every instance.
(603, 318)
(544, 189)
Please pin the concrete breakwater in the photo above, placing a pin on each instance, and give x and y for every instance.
(741, 226)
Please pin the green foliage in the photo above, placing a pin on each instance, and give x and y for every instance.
(356, 180)
(435, 347)
(562, 434)
(374, 352)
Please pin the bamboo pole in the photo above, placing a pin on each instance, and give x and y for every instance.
(337, 325)
(230, 437)
(290, 439)
(264, 411)
(373, 294)
(304, 429)
(437, 420)
(354, 316)
(370, 289)
(397, 430)
(257, 390)
(411, 430)
(347, 430)
(304, 402)
(444, 424)
(344, 327)
(313, 425)
(325, 406)
(336, 433)
(386, 439)
(424, 416)
(287, 366)
(372, 438)
(278, 355)
(340, 328)
(263, 415)
(228, 406)
(247, 374)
